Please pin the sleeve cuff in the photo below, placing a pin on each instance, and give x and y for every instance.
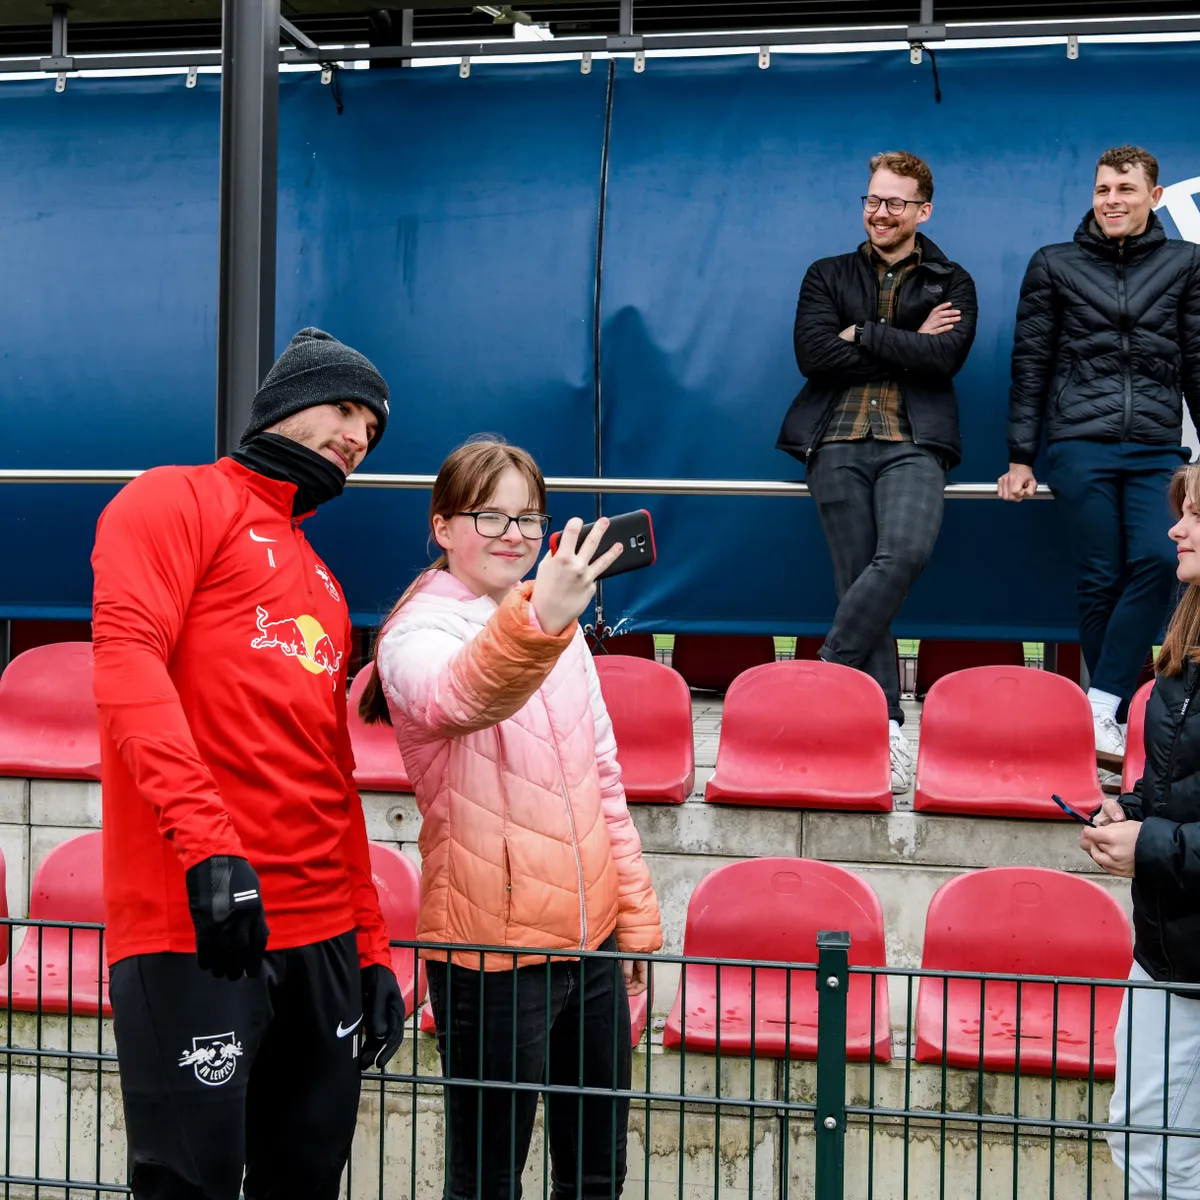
(1017, 455)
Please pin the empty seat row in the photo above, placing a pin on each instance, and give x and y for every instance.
(1005, 920)
(995, 741)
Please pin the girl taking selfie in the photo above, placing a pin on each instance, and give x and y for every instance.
(526, 840)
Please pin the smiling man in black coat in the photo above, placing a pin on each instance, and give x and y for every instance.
(1107, 344)
(880, 333)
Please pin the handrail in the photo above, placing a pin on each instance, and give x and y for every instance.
(561, 483)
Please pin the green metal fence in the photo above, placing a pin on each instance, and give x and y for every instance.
(894, 1123)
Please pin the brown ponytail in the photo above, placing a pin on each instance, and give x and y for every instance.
(466, 480)
(1182, 643)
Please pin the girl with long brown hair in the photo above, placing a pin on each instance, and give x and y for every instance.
(1152, 836)
(526, 841)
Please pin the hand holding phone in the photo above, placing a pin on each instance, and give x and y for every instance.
(1078, 816)
(566, 582)
(632, 531)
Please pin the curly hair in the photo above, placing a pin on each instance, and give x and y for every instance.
(1125, 158)
(900, 162)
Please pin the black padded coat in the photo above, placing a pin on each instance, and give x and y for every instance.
(1166, 883)
(1107, 341)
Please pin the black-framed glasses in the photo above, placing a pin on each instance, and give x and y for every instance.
(495, 524)
(895, 205)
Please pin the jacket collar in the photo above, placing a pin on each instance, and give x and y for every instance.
(1092, 240)
(275, 492)
(930, 255)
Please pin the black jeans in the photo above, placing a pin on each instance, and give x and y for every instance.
(259, 1074)
(566, 1023)
(880, 505)
(1111, 503)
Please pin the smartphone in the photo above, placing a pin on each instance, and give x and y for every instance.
(635, 532)
(1086, 820)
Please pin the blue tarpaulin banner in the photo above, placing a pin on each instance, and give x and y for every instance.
(449, 229)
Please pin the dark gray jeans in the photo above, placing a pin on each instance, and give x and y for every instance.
(880, 505)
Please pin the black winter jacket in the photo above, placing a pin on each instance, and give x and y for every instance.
(844, 291)
(1166, 882)
(1108, 336)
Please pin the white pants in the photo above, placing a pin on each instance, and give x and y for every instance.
(1140, 1083)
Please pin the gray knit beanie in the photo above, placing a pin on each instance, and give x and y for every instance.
(317, 369)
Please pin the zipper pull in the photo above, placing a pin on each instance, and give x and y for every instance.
(1183, 710)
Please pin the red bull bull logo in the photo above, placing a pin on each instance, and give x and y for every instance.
(301, 638)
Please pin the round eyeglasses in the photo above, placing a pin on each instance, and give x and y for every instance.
(895, 205)
(495, 524)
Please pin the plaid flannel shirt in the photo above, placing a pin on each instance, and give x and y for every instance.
(876, 409)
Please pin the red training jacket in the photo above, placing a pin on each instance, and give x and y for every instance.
(221, 644)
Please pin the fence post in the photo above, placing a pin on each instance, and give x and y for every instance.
(833, 978)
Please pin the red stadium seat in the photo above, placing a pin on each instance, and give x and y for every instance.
(713, 661)
(937, 657)
(772, 909)
(1023, 921)
(1135, 738)
(378, 765)
(804, 735)
(398, 882)
(48, 723)
(999, 741)
(638, 1013)
(632, 645)
(651, 711)
(68, 886)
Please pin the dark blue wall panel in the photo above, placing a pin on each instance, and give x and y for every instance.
(726, 182)
(447, 227)
(108, 281)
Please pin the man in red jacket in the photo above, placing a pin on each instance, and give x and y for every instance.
(250, 970)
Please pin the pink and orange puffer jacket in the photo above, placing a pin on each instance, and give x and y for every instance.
(525, 840)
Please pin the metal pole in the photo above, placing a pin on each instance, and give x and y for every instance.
(554, 483)
(833, 981)
(249, 171)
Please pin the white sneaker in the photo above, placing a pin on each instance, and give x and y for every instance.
(1110, 743)
(902, 763)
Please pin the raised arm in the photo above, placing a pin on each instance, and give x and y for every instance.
(450, 687)
(151, 549)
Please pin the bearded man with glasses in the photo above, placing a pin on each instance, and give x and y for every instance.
(880, 334)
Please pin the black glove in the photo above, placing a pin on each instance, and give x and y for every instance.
(227, 911)
(383, 1016)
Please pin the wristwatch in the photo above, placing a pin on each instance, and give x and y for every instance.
(858, 332)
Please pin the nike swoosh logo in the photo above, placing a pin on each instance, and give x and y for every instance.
(349, 1030)
(255, 538)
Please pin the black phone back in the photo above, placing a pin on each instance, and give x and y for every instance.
(635, 532)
